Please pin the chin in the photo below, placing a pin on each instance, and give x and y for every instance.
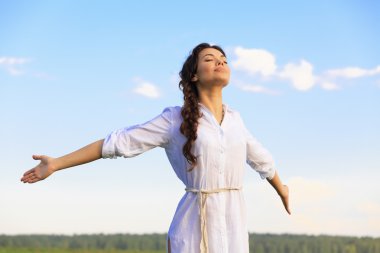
(223, 82)
(215, 83)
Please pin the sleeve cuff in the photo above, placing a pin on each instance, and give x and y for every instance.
(108, 148)
(268, 174)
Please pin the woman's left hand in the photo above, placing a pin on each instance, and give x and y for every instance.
(285, 198)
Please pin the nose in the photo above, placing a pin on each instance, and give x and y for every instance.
(219, 62)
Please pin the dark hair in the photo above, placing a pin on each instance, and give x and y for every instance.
(190, 110)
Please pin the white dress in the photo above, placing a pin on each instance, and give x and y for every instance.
(222, 152)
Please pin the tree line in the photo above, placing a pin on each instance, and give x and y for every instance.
(259, 243)
(288, 243)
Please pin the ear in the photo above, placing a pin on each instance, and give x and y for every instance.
(194, 78)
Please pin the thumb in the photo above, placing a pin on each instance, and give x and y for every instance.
(37, 157)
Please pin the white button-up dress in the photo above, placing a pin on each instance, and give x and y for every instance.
(213, 221)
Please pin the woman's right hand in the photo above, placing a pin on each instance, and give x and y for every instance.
(41, 171)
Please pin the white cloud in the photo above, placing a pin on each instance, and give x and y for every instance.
(301, 75)
(254, 61)
(261, 64)
(258, 89)
(327, 80)
(319, 206)
(14, 71)
(327, 85)
(370, 208)
(12, 60)
(353, 72)
(11, 64)
(146, 89)
(308, 190)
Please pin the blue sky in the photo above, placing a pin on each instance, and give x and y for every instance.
(305, 78)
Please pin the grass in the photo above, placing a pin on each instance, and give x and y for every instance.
(56, 250)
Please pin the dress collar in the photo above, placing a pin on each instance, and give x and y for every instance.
(225, 108)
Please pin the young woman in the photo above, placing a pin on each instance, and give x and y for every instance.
(207, 145)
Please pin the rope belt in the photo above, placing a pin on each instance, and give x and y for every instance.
(202, 196)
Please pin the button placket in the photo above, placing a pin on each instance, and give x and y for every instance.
(222, 151)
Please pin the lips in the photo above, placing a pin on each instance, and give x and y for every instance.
(220, 69)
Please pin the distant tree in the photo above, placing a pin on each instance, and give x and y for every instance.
(259, 243)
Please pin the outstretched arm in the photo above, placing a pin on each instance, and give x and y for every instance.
(49, 165)
(282, 190)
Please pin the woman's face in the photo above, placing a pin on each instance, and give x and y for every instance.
(212, 70)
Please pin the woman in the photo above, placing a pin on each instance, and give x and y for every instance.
(207, 145)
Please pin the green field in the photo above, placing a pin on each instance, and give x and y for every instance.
(47, 250)
(156, 243)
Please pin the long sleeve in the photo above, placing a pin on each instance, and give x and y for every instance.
(259, 157)
(134, 140)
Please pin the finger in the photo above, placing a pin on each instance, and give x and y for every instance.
(34, 180)
(37, 157)
(24, 178)
(27, 179)
(28, 172)
(285, 202)
(287, 207)
(286, 199)
(288, 210)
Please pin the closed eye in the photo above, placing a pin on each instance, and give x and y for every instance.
(212, 60)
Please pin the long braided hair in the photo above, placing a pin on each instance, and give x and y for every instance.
(190, 110)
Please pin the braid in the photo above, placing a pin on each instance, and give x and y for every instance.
(190, 110)
(190, 114)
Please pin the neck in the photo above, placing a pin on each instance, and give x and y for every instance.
(213, 100)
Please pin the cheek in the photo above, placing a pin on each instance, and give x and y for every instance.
(205, 71)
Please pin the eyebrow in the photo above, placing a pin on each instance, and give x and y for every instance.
(213, 55)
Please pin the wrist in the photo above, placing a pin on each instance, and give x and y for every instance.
(54, 164)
